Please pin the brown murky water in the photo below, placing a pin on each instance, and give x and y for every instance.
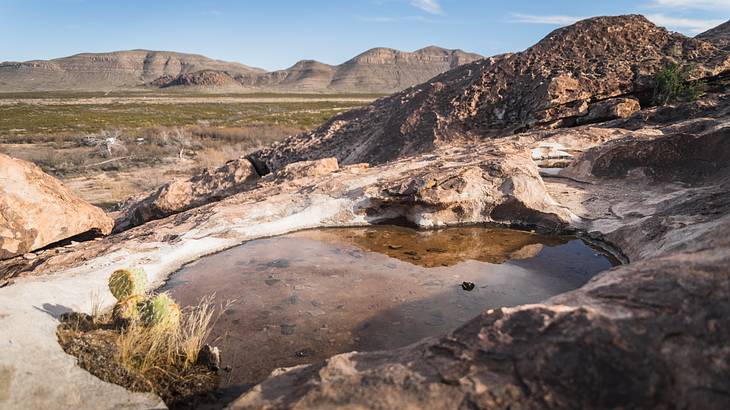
(309, 295)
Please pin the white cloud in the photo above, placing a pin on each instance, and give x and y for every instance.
(693, 4)
(429, 6)
(683, 24)
(553, 20)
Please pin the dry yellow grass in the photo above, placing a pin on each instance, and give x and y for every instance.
(143, 348)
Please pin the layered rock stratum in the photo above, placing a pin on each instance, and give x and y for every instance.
(380, 70)
(653, 186)
(107, 71)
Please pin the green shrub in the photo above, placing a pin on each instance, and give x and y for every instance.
(672, 83)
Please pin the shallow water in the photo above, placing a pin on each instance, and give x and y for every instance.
(306, 296)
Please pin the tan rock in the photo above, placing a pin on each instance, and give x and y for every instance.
(308, 169)
(183, 194)
(37, 210)
(610, 109)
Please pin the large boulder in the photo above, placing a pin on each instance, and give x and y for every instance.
(611, 109)
(37, 210)
(182, 194)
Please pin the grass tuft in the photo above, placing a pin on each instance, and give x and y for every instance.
(142, 348)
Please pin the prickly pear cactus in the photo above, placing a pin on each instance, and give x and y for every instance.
(128, 311)
(124, 283)
(161, 310)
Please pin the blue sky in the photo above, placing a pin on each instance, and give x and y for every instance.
(275, 34)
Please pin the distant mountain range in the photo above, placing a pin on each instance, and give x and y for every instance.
(379, 70)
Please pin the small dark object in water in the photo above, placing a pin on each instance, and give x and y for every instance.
(306, 352)
(437, 250)
(210, 356)
(272, 281)
(468, 286)
(395, 247)
(411, 253)
(287, 330)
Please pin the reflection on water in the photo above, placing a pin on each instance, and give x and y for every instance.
(444, 247)
(308, 295)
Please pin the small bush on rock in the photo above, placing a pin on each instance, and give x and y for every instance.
(673, 83)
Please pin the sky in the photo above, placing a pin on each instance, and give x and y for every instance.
(274, 34)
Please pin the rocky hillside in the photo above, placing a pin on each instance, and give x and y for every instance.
(104, 71)
(380, 70)
(719, 36)
(594, 70)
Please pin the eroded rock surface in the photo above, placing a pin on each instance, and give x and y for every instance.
(37, 210)
(555, 83)
(308, 169)
(648, 334)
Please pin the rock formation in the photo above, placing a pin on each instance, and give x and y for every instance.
(719, 36)
(653, 185)
(182, 194)
(37, 210)
(572, 74)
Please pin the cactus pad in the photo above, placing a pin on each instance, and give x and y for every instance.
(161, 310)
(128, 310)
(124, 283)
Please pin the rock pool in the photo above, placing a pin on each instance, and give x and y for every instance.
(309, 295)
